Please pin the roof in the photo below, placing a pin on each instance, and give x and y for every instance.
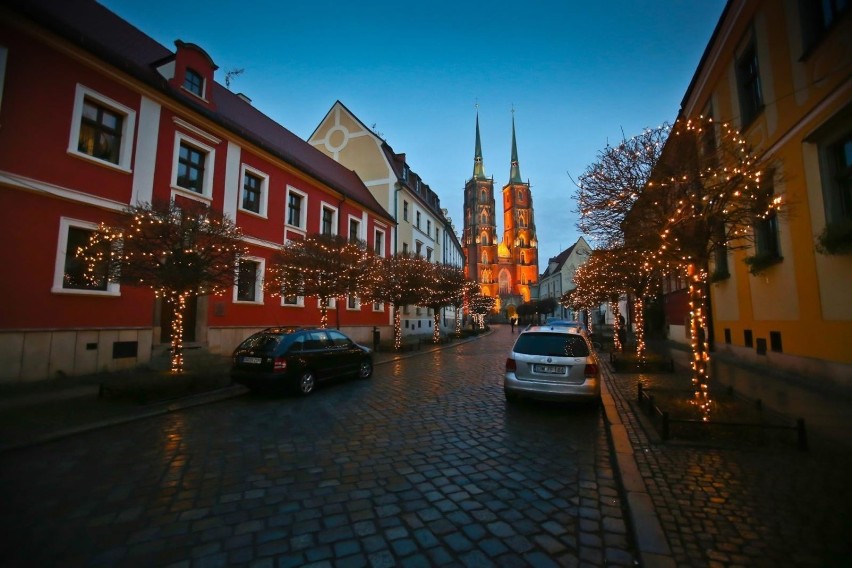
(101, 32)
(559, 259)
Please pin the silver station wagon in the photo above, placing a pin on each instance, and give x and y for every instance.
(553, 363)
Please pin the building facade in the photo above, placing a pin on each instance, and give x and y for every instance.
(96, 117)
(558, 277)
(504, 265)
(779, 70)
(422, 227)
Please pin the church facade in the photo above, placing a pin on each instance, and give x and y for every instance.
(505, 265)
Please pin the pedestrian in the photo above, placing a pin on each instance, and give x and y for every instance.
(622, 333)
(512, 323)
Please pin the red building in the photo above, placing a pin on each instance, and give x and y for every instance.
(96, 116)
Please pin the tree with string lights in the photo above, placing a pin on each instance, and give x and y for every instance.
(447, 289)
(181, 252)
(480, 306)
(706, 195)
(400, 280)
(320, 266)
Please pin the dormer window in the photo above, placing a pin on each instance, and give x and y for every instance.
(194, 82)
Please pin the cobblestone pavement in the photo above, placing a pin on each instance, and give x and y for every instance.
(422, 465)
(746, 505)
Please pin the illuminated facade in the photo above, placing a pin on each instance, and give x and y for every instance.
(506, 269)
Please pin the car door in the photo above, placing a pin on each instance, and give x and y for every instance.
(316, 353)
(345, 353)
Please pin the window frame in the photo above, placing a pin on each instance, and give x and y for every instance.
(65, 223)
(357, 303)
(209, 166)
(298, 303)
(750, 94)
(128, 128)
(258, 282)
(358, 233)
(303, 210)
(404, 210)
(334, 218)
(263, 199)
(379, 244)
(188, 85)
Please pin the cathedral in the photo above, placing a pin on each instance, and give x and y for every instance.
(505, 268)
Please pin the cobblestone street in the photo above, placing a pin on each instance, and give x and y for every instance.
(423, 464)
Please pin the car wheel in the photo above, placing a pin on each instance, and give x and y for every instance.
(307, 383)
(365, 369)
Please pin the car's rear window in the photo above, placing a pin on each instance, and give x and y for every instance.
(265, 343)
(552, 344)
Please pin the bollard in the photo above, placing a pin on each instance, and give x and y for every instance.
(802, 434)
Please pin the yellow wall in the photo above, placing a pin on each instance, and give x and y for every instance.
(807, 296)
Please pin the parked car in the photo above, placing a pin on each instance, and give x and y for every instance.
(298, 358)
(553, 362)
(565, 323)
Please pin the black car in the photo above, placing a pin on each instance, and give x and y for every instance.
(298, 358)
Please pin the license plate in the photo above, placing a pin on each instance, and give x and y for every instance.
(549, 369)
(252, 360)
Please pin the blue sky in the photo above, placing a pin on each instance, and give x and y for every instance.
(577, 74)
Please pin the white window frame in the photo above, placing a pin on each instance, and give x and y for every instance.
(376, 232)
(429, 252)
(352, 218)
(334, 217)
(128, 127)
(264, 190)
(258, 285)
(303, 213)
(300, 302)
(418, 248)
(357, 307)
(65, 223)
(203, 95)
(209, 163)
(378, 306)
(332, 304)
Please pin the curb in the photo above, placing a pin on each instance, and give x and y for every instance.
(651, 543)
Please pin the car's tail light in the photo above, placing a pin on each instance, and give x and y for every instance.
(591, 370)
(510, 365)
(279, 364)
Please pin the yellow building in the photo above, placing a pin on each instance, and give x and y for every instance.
(781, 70)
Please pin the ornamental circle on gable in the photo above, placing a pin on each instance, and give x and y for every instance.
(336, 138)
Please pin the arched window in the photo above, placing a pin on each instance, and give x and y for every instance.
(483, 238)
(484, 197)
(484, 218)
(484, 257)
(505, 282)
(520, 195)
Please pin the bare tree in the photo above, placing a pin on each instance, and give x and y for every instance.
(180, 252)
(447, 289)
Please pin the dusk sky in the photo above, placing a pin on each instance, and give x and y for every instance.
(578, 75)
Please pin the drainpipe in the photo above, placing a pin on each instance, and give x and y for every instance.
(339, 223)
(398, 188)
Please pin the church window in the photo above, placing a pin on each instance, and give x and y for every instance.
(520, 195)
(484, 257)
(484, 239)
(505, 284)
(484, 197)
(484, 218)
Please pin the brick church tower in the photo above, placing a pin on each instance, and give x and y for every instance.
(505, 270)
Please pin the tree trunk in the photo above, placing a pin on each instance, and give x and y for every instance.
(178, 312)
(639, 320)
(616, 327)
(323, 312)
(698, 336)
(436, 332)
(397, 329)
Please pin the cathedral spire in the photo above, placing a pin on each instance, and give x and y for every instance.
(515, 172)
(478, 166)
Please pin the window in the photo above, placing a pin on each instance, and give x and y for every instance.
(379, 242)
(71, 273)
(293, 301)
(352, 303)
(332, 303)
(817, 18)
(775, 341)
(255, 190)
(417, 222)
(249, 281)
(429, 254)
(428, 227)
(766, 243)
(405, 210)
(354, 230)
(748, 338)
(708, 140)
(437, 234)
(296, 208)
(837, 187)
(748, 85)
(378, 306)
(101, 129)
(404, 248)
(194, 82)
(418, 248)
(193, 166)
(327, 223)
(484, 218)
